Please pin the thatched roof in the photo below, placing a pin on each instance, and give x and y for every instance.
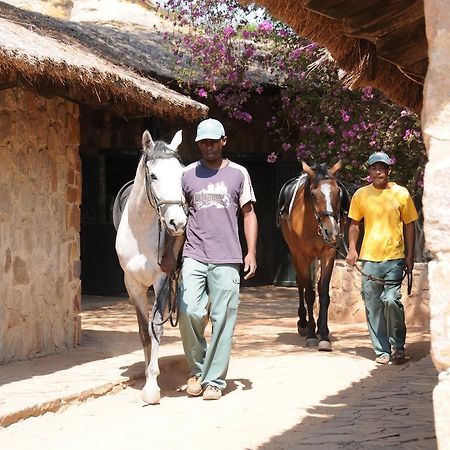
(376, 42)
(87, 64)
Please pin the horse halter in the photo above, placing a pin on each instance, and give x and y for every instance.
(322, 214)
(156, 202)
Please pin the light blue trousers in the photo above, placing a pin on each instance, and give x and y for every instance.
(384, 310)
(214, 287)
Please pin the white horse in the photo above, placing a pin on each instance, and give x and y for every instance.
(154, 208)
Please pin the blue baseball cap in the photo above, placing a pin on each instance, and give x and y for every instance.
(209, 129)
(379, 157)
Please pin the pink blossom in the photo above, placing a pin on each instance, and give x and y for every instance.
(272, 158)
(202, 93)
(266, 26)
(228, 32)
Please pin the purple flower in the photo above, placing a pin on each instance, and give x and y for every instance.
(202, 93)
(345, 116)
(266, 26)
(228, 32)
(286, 146)
(369, 179)
(295, 54)
(249, 52)
(272, 158)
(331, 144)
(393, 160)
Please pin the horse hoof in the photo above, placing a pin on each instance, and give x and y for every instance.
(151, 397)
(302, 331)
(325, 346)
(312, 342)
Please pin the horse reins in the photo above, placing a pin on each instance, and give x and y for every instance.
(375, 279)
(172, 305)
(157, 204)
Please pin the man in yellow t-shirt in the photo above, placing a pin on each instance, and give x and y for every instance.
(387, 249)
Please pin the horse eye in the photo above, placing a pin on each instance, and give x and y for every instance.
(153, 177)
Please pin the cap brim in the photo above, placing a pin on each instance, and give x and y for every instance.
(204, 136)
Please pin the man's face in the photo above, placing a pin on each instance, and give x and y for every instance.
(379, 172)
(211, 149)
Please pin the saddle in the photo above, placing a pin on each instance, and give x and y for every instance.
(289, 190)
(120, 201)
(287, 195)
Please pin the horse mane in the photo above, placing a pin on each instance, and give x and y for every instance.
(160, 150)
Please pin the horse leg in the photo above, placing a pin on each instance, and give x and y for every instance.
(302, 322)
(327, 264)
(138, 297)
(151, 392)
(310, 295)
(305, 288)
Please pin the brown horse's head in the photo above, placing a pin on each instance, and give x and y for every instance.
(325, 196)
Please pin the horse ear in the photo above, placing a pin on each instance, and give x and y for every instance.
(335, 168)
(308, 170)
(176, 141)
(147, 141)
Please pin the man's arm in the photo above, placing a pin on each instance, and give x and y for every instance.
(409, 232)
(353, 234)
(251, 236)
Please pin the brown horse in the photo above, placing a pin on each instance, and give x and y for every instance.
(310, 212)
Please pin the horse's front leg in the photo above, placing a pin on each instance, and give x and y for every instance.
(310, 295)
(327, 264)
(302, 323)
(151, 392)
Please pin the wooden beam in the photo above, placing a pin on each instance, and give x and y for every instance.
(406, 46)
(392, 16)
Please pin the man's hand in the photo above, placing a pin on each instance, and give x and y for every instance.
(249, 266)
(352, 257)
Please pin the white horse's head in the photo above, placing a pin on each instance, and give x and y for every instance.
(163, 171)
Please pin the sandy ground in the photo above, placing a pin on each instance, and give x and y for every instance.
(280, 394)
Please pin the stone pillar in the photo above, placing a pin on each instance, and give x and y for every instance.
(436, 129)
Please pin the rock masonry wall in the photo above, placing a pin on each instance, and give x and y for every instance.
(40, 194)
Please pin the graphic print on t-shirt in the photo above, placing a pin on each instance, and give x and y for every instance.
(215, 194)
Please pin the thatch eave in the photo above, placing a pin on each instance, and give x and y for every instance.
(357, 57)
(36, 59)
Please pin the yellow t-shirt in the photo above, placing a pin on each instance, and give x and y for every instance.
(384, 212)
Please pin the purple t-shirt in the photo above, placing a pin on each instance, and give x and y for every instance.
(215, 198)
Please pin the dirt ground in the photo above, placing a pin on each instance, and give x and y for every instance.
(280, 394)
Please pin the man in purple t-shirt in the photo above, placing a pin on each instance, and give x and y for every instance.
(216, 190)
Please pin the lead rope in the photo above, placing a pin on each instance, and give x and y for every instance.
(377, 280)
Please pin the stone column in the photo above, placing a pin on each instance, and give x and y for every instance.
(436, 129)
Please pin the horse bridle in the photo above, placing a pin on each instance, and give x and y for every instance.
(322, 214)
(153, 199)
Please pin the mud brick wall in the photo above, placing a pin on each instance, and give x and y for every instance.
(40, 194)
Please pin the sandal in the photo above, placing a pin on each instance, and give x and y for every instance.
(382, 359)
(398, 356)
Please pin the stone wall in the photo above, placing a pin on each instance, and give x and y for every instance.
(436, 131)
(40, 190)
(347, 306)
